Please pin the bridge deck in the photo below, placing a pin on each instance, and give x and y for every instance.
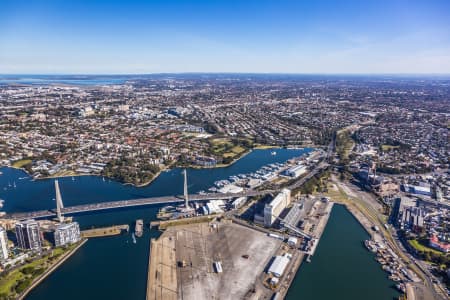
(129, 203)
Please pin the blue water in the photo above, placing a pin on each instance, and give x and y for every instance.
(64, 79)
(113, 267)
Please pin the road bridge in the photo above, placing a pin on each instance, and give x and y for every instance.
(90, 207)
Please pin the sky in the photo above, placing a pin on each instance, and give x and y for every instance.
(249, 36)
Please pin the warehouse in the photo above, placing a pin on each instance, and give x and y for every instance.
(296, 171)
(278, 265)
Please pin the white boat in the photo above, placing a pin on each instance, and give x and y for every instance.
(273, 153)
(139, 227)
(134, 238)
(14, 184)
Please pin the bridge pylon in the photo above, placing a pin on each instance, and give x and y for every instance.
(186, 195)
(59, 203)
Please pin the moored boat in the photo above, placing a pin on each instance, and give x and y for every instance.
(139, 228)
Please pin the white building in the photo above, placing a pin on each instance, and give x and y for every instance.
(296, 171)
(238, 202)
(67, 234)
(273, 209)
(278, 265)
(3, 245)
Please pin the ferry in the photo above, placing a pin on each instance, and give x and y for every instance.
(139, 228)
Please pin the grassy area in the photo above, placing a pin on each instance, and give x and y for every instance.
(420, 247)
(21, 163)
(388, 147)
(344, 144)
(17, 280)
(7, 284)
(228, 148)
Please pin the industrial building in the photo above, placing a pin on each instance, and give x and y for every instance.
(28, 235)
(413, 217)
(296, 171)
(418, 190)
(3, 245)
(67, 234)
(213, 207)
(279, 264)
(273, 209)
(238, 202)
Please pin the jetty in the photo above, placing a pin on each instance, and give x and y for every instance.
(105, 231)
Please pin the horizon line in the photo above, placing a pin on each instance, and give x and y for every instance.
(230, 73)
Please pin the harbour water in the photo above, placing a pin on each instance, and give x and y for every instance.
(116, 268)
(342, 268)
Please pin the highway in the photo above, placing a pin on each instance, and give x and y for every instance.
(130, 203)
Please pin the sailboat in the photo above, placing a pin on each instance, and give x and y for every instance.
(134, 238)
(73, 178)
(14, 184)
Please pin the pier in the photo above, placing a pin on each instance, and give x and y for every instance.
(104, 231)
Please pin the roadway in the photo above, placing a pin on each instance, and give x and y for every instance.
(130, 203)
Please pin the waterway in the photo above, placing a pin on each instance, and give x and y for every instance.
(342, 268)
(116, 268)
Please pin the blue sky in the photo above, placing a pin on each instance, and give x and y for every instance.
(346, 36)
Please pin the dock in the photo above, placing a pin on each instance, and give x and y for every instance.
(104, 231)
(182, 260)
(183, 221)
(162, 273)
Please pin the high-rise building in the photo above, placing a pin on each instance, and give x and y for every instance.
(67, 234)
(3, 244)
(273, 209)
(28, 235)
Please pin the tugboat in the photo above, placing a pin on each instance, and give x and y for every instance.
(139, 228)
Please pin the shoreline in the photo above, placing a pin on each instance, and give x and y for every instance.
(53, 268)
(168, 168)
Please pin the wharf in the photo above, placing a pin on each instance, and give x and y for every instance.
(183, 221)
(104, 231)
(182, 260)
(162, 273)
(299, 256)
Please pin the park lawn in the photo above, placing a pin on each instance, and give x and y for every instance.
(419, 247)
(238, 149)
(220, 142)
(21, 163)
(386, 147)
(7, 283)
